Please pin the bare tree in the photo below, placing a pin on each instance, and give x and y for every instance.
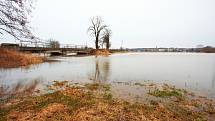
(97, 26)
(53, 43)
(106, 38)
(14, 18)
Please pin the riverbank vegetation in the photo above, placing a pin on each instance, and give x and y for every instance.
(208, 49)
(102, 52)
(95, 102)
(12, 59)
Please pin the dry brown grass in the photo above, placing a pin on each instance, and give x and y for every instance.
(12, 58)
(102, 52)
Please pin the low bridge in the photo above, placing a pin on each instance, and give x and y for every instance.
(63, 49)
(42, 47)
(55, 51)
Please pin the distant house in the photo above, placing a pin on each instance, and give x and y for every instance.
(10, 45)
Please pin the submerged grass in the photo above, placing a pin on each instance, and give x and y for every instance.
(168, 91)
(57, 97)
(89, 104)
(96, 86)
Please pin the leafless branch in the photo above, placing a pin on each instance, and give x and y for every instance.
(96, 27)
(14, 18)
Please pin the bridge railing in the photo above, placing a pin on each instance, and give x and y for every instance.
(72, 46)
(46, 45)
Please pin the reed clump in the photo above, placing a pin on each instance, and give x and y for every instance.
(12, 59)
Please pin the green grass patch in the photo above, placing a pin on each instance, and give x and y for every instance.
(106, 87)
(94, 86)
(57, 97)
(108, 96)
(168, 93)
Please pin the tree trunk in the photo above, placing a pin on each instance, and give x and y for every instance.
(97, 43)
(107, 46)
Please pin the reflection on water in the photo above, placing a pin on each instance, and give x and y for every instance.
(193, 71)
(97, 72)
(19, 89)
(213, 80)
(102, 70)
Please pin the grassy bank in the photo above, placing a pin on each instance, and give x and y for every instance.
(94, 102)
(102, 52)
(11, 59)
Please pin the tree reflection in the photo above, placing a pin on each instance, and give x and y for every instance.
(97, 71)
(102, 70)
(106, 69)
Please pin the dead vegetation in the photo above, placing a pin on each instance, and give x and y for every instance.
(102, 52)
(94, 102)
(12, 59)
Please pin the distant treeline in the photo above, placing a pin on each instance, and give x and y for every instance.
(207, 49)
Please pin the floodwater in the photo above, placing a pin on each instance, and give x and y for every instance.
(191, 71)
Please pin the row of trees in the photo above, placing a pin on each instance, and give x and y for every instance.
(100, 32)
(53, 43)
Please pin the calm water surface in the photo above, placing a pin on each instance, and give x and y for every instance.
(193, 71)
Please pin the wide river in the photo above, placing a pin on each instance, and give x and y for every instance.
(192, 71)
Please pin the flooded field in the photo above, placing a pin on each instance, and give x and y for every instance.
(125, 72)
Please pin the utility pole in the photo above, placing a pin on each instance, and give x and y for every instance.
(86, 44)
(121, 45)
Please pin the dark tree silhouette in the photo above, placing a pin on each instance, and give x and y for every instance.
(14, 18)
(97, 26)
(106, 38)
(53, 43)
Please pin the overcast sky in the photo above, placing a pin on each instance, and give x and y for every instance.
(139, 23)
